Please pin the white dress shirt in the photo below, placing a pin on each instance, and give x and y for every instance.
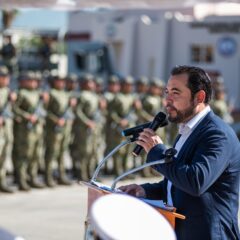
(185, 130)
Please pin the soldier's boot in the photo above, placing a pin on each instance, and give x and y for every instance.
(22, 180)
(63, 180)
(36, 184)
(83, 171)
(49, 176)
(3, 184)
(49, 180)
(4, 188)
(23, 186)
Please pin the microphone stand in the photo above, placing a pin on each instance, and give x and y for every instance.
(122, 144)
(169, 153)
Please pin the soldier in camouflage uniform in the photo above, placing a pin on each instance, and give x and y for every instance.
(113, 89)
(122, 114)
(85, 128)
(152, 103)
(5, 126)
(72, 90)
(142, 86)
(72, 85)
(58, 114)
(219, 105)
(41, 124)
(25, 129)
(141, 89)
(141, 92)
(100, 117)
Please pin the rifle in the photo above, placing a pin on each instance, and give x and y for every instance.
(67, 115)
(131, 117)
(39, 112)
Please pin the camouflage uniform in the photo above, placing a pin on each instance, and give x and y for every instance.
(41, 125)
(5, 128)
(58, 115)
(25, 131)
(100, 118)
(219, 105)
(71, 89)
(85, 128)
(122, 116)
(152, 103)
(141, 93)
(113, 89)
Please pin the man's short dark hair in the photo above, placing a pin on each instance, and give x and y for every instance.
(197, 80)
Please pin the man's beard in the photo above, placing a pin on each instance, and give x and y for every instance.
(182, 116)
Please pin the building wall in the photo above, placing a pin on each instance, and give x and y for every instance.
(151, 48)
(183, 36)
(154, 48)
(120, 38)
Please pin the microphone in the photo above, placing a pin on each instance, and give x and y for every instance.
(135, 130)
(160, 120)
(168, 157)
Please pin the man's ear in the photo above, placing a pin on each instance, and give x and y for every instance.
(200, 96)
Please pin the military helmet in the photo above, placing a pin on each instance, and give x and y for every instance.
(99, 80)
(156, 82)
(28, 75)
(72, 77)
(220, 79)
(113, 79)
(127, 80)
(86, 77)
(38, 76)
(54, 77)
(219, 89)
(142, 80)
(3, 71)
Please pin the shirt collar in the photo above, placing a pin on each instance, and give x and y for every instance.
(185, 128)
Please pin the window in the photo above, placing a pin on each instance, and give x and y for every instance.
(201, 53)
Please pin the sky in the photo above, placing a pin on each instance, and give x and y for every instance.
(40, 19)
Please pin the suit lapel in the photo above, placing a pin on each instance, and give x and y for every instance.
(193, 138)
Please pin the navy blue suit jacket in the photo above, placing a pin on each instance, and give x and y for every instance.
(205, 178)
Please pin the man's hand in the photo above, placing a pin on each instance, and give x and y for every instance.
(12, 97)
(137, 104)
(148, 139)
(33, 118)
(123, 123)
(61, 122)
(91, 124)
(73, 102)
(134, 190)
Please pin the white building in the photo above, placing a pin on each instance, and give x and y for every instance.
(152, 42)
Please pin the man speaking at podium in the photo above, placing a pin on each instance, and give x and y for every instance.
(202, 181)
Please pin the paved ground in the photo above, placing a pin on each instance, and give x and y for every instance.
(48, 214)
